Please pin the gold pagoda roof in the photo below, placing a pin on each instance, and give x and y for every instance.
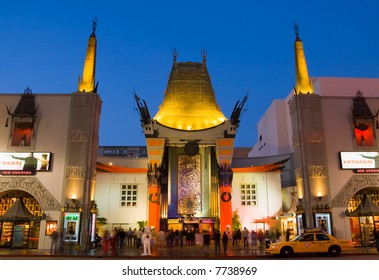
(189, 102)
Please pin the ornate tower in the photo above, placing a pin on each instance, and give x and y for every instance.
(82, 145)
(87, 82)
(308, 142)
(190, 143)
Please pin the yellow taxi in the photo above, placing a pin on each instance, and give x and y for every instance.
(312, 241)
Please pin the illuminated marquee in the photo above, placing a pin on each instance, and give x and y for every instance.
(24, 163)
(359, 160)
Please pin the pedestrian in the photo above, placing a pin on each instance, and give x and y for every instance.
(138, 237)
(206, 242)
(278, 235)
(105, 240)
(376, 237)
(54, 242)
(245, 236)
(217, 240)
(161, 239)
(61, 242)
(288, 233)
(238, 236)
(122, 238)
(115, 242)
(267, 237)
(234, 237)
(129, 236)
(176, 238)
(225, 239)
(254, 240)
(261, 239)
(272, 237)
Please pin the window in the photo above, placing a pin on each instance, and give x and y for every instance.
(321, 237)
(248, 195)
(128, 195)
(306, 238)
(22, 134)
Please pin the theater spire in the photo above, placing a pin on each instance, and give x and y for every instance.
(87, 81)
(303, 83)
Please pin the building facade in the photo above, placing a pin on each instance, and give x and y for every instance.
(330, 126)
(48, 151)
(189, 181)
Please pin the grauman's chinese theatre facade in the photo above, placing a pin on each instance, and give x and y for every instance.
(190, 146)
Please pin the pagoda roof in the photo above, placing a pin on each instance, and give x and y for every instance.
(366, 208)
(189, 102)
(18, 213)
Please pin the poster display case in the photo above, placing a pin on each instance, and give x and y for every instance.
(51, 226)
(20, 235)
(323, 222)
(71, 226)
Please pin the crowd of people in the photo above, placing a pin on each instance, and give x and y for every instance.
(111, 242)
(256, 239)
(144, 238)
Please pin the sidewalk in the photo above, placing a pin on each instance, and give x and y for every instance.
(185, 252)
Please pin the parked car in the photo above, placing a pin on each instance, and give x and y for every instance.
(311, 242)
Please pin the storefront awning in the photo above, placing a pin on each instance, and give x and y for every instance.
(18, 213)
(366, 208)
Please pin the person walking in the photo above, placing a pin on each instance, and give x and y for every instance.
(261, 239)
(217, 241)
(376, 237)
(267, 237)
(54, 242)
(161, 239)
(138, 237)
(245, 236)
(106, 240)
(288, 233)
(206, 242)
(254, 240)
(225, 239)
(122, 238)
(234, 234)
(238, 236)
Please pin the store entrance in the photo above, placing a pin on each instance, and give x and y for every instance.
(20, 216)
(191, 227)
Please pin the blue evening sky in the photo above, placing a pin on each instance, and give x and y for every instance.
(249, 45)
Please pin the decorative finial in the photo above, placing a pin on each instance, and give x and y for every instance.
(94, 24)
(204, 53)
(204, 56)
(28, 90)
(175, 55)
(296, 28)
